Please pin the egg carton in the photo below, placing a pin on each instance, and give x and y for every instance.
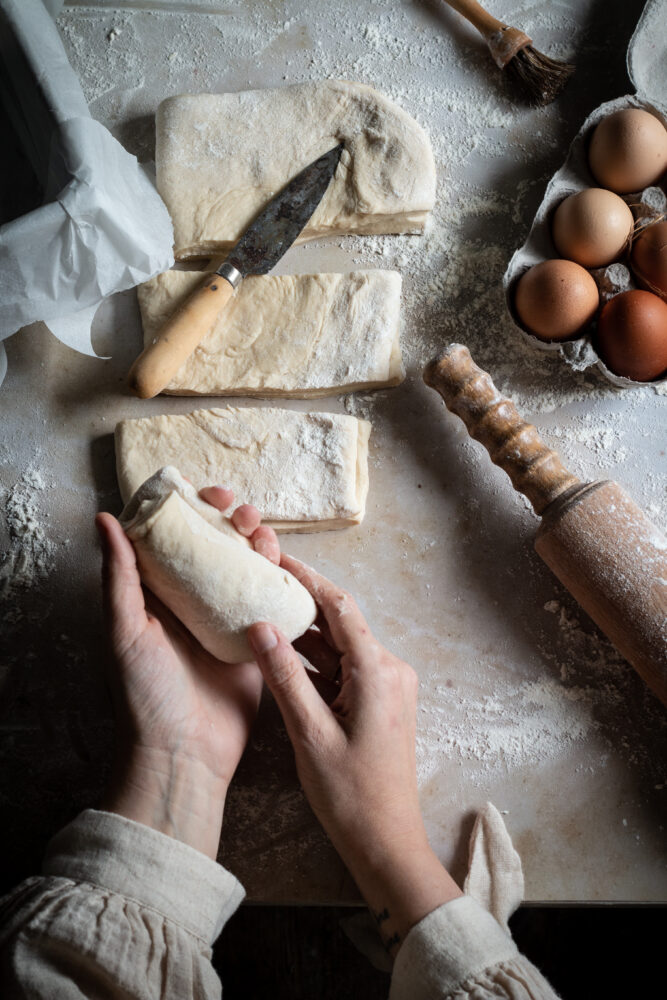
(647, 68)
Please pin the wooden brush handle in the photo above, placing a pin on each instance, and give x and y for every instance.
(503, 41)
(514, 445)
(181, 334)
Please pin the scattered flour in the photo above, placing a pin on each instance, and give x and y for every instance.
(546, 718)
(498, 724)
(30, 556)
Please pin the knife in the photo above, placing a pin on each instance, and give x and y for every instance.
(259, 249)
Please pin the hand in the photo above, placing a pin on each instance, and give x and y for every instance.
(183, 717)
(356, 756)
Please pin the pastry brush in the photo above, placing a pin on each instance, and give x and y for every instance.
(540, 78)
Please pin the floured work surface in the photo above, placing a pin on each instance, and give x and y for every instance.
(303, 471)
(521, 700)
(221, 157)
(299, 335)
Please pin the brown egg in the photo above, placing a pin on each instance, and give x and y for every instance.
(649, 258)
(556, 299)
(628, 151)
(592, 227)
(632, 335)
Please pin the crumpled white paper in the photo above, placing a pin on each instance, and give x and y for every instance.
(106, 230)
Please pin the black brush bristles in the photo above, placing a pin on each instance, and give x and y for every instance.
(540, 78)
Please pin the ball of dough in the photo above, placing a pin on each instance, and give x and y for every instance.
(632, 335)
(628, 150)
(592, 227)
(556, 299)
(191, 556)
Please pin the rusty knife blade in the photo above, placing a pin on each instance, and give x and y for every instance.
(277, 226)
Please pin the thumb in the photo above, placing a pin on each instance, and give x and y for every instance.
(286, 678)
(123, 596)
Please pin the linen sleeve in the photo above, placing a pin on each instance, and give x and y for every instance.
(120, 911)
(460, 952)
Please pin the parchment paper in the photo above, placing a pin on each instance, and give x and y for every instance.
(103, 227)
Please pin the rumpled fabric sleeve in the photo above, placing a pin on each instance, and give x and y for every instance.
(123, 911)
(120, 911)
(460, 952)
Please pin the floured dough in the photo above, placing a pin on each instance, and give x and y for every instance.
(289, 335)
(221, 157)
(191, 556)
(304, 471)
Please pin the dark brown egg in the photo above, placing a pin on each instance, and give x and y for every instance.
(632, 335)
(649, 258)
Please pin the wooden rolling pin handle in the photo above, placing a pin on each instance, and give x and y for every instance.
(503, 41)
(178, 338)
(514, 445)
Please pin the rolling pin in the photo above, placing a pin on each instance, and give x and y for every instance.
(593, 536)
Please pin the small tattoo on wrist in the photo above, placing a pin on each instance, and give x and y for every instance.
(381, 917)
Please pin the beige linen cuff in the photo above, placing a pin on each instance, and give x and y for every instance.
(454, 943)
(154, 870)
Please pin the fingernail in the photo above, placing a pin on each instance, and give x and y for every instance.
(262, 638)
(262, 545)
(215, 486)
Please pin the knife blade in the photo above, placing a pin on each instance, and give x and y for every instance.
(260, 248)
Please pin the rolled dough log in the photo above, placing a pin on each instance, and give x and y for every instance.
(304, 471)
(221, 157)
(288, 335)
(191, 556)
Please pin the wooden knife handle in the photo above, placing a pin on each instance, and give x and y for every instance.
(514, 445)
(503, 41)
(180, 335)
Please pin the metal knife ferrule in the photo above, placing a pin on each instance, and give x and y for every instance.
(230, 273)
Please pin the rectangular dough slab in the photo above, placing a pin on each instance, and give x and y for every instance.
(287, 335)
(304, 471)
(221, 157)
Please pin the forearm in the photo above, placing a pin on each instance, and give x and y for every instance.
(401, 882)
(175, 795)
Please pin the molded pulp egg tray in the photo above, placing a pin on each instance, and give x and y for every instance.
(647, 68)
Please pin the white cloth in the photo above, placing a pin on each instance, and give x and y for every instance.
(125, 912)
(494, 880)
(495, 876)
